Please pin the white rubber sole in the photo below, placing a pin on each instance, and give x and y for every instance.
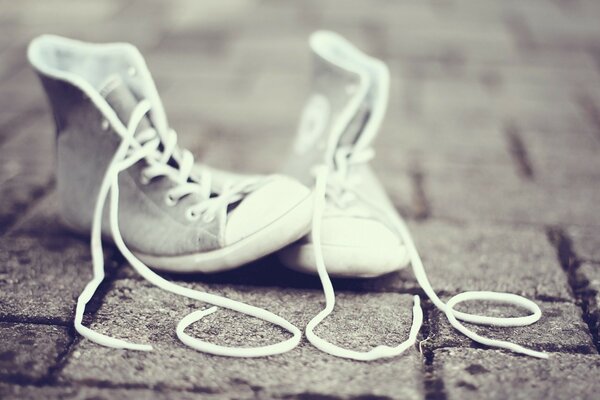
(345, 261)
(285, 230)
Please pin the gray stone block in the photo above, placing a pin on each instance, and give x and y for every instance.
(139, 312)
(460, 257)
(561, 328)
(586, 242)
(269, 272)
(26, 167)
(28, 351)
(473, 374)
(17, 392)
(43, 268)
(457, 258)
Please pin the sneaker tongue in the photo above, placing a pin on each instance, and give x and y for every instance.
(122, 100)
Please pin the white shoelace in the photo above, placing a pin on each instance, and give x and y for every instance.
(325, 188)
(146, 145)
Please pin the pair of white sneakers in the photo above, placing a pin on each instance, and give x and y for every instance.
(327, 213)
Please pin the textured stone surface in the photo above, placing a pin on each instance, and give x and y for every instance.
(473, 374)
(586, 243)
(28, 351)
(589, 277)
(270, 272)
(561, 328)
(14, 392)
(460, 257)
(141, 313)
(480, 194)
(43, 268)
(26, 169)
(457, 257)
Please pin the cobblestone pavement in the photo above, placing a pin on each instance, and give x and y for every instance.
(491, 148)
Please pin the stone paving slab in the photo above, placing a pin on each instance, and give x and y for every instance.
(288, 52)
(491, 138)
(14, 392)
(561, 328)
(232, 97)
(267, 159)
(23, 91)
(29, 351)
(474, 373)
(460, 257)
(139, 312)
(479, 194)
(43, 268)
(24, 174)
(586, 243)
(94, 22)
(589, 273)
(546, 150)
(12, 59)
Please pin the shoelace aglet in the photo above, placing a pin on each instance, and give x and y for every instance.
(138, 347)
(534, 353)
(109, 341)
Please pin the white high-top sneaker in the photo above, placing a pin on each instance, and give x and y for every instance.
(339, 123)
(113, 140)
(356, 230)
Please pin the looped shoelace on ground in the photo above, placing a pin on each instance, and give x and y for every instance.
(145, 145)
(344, 159)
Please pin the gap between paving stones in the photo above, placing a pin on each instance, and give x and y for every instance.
(570, 264)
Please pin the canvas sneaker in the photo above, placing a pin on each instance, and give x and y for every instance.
(356, 230)
(338, 125)
(122, 176)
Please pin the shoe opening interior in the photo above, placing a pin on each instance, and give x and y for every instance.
(91, 66)
(86, 64)
(372, 72)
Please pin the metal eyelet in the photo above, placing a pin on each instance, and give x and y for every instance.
(191, 215)
(169, 200)
(105, 125)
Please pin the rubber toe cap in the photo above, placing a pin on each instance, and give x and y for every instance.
(264, 206)
(357, 232)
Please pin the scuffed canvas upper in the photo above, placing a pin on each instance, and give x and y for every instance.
(73, 75)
